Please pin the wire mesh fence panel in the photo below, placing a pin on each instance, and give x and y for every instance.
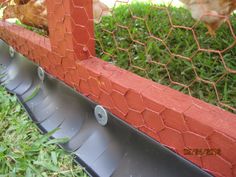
(189, 46)
(159, 40)
(163, 42)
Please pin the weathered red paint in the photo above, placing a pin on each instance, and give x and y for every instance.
(168, 116)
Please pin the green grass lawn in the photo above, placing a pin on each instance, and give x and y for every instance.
(131, 43)
(117, 37)
(24, 152)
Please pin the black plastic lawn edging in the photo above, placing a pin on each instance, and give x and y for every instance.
(112, 149)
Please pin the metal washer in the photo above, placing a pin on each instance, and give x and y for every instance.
(11, 52)
(41, 73)
(101, 115)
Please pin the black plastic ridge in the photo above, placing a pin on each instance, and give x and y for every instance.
(113, 150)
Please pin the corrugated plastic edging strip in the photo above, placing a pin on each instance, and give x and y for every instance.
(116, 149)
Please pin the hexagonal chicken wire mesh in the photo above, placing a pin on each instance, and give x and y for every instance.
(162, 42)
(165, 41)
(159, 40)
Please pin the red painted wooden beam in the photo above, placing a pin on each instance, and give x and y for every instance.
(174, 119)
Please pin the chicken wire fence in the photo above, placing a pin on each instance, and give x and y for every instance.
(165, 41)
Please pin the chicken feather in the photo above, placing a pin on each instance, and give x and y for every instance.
(211, 12)
(20, 2)
(33, 13)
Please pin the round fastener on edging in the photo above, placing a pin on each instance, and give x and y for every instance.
(11, 52)
(101, 115)
(41, 73)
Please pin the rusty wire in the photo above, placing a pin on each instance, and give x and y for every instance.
(150, 40)
(202, 69)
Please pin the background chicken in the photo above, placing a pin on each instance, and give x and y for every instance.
(5, 3)
(99, 10)
(29, 12)
(20, 2)
(34, 12)
(212, 12)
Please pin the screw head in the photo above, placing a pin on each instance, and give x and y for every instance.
(85, 49)
(101, 115)
(11, 52)
(41, 73)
